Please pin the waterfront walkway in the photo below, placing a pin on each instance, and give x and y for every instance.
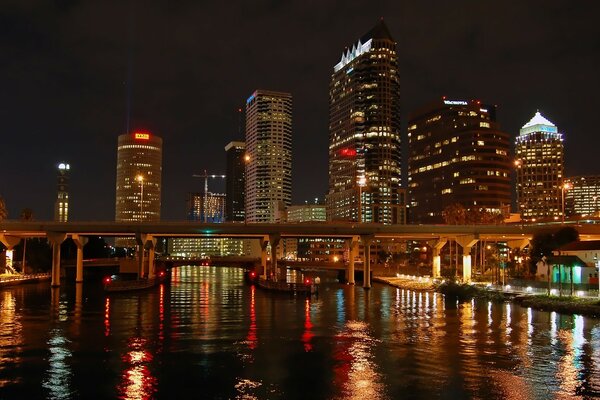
(16, 279)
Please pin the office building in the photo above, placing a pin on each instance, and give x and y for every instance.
(235, 182)
(269, 154)
(539, 159)
(364, 132)
(139, 174)
(582, 196)
(61, 205)
(457, 155)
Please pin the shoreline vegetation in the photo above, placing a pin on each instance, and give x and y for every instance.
(590, 307)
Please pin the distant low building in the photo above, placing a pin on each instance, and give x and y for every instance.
(579, 258)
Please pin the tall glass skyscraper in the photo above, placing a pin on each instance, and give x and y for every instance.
(364, 133)
(139, 174)
(269, 154)
(235, 182)
(540, 170)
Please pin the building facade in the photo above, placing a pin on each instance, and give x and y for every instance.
(139, 179)
(364, 132)
(582, 196)
(235, 182)
(457, 155)
(539, 159)
(61, 205)
(209, 207)
(269, 154)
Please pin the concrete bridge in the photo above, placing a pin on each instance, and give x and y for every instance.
(146, 234)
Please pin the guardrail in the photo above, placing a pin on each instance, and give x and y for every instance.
(23, 278)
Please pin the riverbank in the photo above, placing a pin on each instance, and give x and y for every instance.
(566, 305)
(17, 279)
(407, 282)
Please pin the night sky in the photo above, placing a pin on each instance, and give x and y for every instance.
(72, 71)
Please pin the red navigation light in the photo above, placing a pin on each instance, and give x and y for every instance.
(348, 152)
(107, 280)
(161, 273)
(307, 281)
(252, 274)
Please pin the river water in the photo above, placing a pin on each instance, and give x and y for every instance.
(210, 335)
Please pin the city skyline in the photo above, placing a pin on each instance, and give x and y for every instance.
(68, 79)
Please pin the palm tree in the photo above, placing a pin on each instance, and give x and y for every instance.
(3, 212)
(26, 215)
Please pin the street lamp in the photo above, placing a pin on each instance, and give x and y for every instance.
(140, 179)
(362, 181)
(565, 186)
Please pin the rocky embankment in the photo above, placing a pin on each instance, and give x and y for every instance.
(407, 283)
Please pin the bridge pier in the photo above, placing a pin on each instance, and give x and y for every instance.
(264, 242)
(10, 242)
(467, 242)
(352, 245)
(80, 241)
(366, 240)
(436, 247)
(56, 239)
(274, 240)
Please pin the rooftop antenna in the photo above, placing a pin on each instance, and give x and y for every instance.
(205, 175)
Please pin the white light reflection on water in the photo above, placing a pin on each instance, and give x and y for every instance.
(58, 379)
(356, 375)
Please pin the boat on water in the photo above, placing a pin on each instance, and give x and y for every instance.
(306, 287)
(115, 285)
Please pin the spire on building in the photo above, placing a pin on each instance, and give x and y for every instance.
(538, 119)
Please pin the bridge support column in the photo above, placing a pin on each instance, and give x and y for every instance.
(352, 245)
(10, 242)
(366, 241)
(80, 241)
(467, 242)
(436, 247)
(264, 242)
(274, 240)
(150, 245)
(56, 239)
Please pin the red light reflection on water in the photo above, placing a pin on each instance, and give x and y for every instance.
(161, 312)
(252, 337)
(107, 316)
(307, 335)
(137, 382)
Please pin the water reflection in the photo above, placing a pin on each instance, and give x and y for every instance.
(356, 375)
(137, 381)
(11, 337)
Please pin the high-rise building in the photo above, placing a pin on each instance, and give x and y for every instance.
(457, 155)
(61, 206)
(210, 210)
(582, 196)
(209, 207)
(540, 170)
(364, 132)
(139, 172)
(235, 182)
(269, 154)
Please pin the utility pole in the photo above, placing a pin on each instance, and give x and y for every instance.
(205, 175)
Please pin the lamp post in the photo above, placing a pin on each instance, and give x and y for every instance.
(565, 186)
(140, 179)
(362, 181)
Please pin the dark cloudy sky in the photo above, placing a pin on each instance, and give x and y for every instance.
(64, 65)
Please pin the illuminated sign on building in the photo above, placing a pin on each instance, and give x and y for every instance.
(142, 136)
(455, 103)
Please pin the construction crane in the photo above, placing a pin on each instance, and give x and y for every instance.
(206, 175)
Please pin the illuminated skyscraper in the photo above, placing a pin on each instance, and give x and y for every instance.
(364, 132)
(582, 199)
(61, 206)
(540, 170)
(139, 172)
(235, 182)
(269, 151)
(457, 155)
